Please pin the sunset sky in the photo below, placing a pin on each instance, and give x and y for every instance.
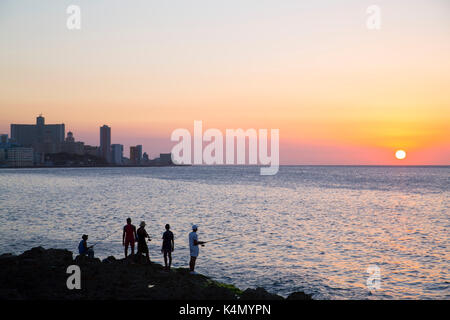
(338, 92)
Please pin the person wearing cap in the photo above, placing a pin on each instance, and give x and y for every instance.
(83, 248)
(142, 244)
(168, 246)
(193, 248)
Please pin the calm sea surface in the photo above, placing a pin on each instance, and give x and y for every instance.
(315, 229)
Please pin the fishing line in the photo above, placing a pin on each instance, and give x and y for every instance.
(226, 237)
(100, 241)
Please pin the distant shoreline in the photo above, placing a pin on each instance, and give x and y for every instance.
(97, 166)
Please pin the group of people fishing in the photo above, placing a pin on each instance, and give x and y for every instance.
(131, 235)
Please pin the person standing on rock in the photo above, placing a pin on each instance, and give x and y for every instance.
(142, 244)
(83, 248)
(193, 248)
(168, 246)
(129, 237)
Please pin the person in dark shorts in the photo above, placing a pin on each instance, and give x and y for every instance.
(129, 237)
(168, 245)
(142, 244)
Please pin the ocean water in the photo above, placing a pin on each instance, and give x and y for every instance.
(315, 229)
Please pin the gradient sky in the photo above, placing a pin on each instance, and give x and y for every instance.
(338, 92)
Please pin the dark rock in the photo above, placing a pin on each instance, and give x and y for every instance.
(41, 274)
(259, 294)
(110, 259)
(36, 251)
(49, 257)
(299, 296)
(9, 294)
(83, 259)
(218, 293)
(8, 259)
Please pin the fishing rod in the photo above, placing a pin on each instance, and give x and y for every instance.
(109, 235)
(234, 235)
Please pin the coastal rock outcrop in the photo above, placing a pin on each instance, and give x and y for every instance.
(259, 294)
(42, 274)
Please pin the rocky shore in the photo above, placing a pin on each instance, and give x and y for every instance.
(42, 274)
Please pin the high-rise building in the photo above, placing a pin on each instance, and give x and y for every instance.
(136, 154)
(105, 143)
(133, 155)
(116, 153)
(139, 153)
(43, 138)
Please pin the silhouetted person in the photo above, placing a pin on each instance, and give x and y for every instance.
(193, 248)
(142, 244)
(168, 245)
(129, 237)
(83, 248)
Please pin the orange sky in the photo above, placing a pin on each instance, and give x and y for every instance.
(339, 93)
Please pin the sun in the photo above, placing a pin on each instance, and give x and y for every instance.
(400, 154)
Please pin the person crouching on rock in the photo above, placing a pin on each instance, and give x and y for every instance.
(129, 237)
(83, 248)
(193, 248)
(142, 244)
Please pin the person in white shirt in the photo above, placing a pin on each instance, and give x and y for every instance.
(193, 247)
